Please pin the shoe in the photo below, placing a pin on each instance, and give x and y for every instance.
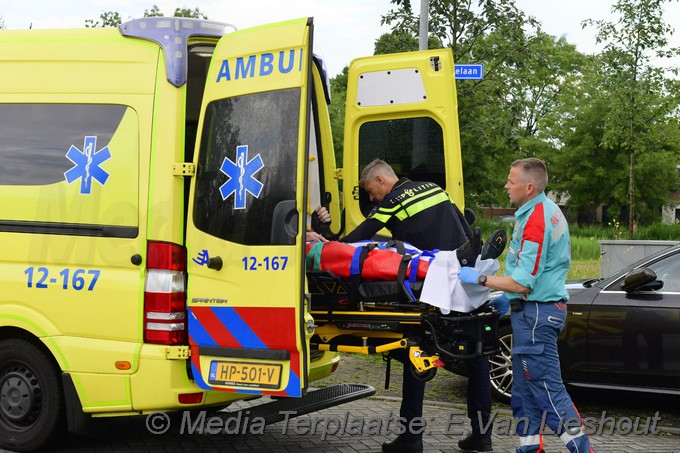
(468, 252)
(494, 245)
(475, 443)
(403, 445)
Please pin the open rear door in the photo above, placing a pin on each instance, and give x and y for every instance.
(245, 235)
(402, 108)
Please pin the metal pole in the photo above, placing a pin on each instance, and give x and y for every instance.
(419, 128)
(424, 17)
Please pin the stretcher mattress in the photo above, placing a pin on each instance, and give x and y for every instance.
(344, 274)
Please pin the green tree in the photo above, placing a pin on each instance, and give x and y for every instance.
(187, 12)
(153, 12)
(402, 41)
(2, 23)
(107, 18)
(336, 111)
(640, 97)
(592, 173)
(113, 18)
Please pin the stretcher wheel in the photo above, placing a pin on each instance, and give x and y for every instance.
(423, 376)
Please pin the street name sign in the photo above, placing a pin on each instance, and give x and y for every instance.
(469, 71)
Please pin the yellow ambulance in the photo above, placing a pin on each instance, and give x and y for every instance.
(156, 182)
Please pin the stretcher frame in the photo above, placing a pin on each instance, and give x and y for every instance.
(347, 322)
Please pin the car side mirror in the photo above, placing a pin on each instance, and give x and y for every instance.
(653, 286)
(639, 278)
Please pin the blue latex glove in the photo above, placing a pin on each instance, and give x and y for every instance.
(501, 304)
(468, 275)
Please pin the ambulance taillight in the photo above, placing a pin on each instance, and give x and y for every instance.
(165, 294)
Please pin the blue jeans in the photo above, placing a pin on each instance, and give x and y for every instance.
(538, 393)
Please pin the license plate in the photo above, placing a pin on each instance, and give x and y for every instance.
(258, 375)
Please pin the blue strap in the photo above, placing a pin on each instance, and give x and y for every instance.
(429, 255)
(407, 285)
(413, 271)
(355, 268)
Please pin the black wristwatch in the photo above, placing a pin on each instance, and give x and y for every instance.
(481, 280)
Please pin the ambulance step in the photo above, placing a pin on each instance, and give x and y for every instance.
(312, 401)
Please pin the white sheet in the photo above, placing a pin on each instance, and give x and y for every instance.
(443, 290)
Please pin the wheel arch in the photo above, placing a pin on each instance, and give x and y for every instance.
(76, 419)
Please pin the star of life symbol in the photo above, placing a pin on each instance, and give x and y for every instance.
(87, 164)
(241, 177)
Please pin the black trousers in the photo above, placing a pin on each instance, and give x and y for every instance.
(478, 397)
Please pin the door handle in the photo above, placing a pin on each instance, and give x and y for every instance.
(215, 263)
(576, 313)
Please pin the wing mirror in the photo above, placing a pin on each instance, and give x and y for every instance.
(642, 278)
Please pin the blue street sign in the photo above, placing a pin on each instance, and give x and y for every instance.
(469, 71)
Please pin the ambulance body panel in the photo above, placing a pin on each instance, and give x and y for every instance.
(156, 184)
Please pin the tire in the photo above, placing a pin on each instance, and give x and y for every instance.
(500, 366)
(31, 397)
(423, 376)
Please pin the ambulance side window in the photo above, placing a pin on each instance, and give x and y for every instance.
(37, 137)
(70, 169)
(247, 165)
(414, 147)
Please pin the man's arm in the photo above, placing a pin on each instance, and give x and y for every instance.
(366, 230)
(505, 283)
(501, 283)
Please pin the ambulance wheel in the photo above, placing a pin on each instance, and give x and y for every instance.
(500, 366)
(31, 396)
(423, 376)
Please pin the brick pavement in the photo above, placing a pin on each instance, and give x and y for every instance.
(365, 429)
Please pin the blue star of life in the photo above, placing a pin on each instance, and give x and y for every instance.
(87, 164)
(241, 177)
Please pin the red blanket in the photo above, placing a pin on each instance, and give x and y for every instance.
(379, 264)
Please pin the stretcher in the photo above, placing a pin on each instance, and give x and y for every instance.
(379, 310)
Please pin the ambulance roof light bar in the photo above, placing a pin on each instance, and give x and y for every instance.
(172, 34)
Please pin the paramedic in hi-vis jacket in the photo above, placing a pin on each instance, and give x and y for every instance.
(422, 214)
(534, 281)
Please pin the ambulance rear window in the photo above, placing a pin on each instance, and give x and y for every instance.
(414, 147)
(247, 165)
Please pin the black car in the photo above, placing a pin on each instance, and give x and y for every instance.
(622, 332)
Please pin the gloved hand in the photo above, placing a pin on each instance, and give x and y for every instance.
(468, 275)
(501, 304)
(321, 220)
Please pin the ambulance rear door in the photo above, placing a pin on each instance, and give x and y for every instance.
(248, 327)
(401, 108)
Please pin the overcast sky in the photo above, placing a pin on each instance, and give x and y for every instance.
(344, 29)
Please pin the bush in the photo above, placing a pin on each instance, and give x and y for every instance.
(659, 232)
(584, 248)
(584, 238)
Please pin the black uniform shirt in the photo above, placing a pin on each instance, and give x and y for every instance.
(419, 213)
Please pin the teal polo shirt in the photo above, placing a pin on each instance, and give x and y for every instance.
(539, 255)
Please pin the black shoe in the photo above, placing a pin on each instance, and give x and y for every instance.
(494, 245)
(468, 252)
(475, 443)
(402, 445)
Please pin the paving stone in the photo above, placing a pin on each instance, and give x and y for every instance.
(445, 425)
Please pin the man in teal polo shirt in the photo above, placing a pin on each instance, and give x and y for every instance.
(535, 274)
